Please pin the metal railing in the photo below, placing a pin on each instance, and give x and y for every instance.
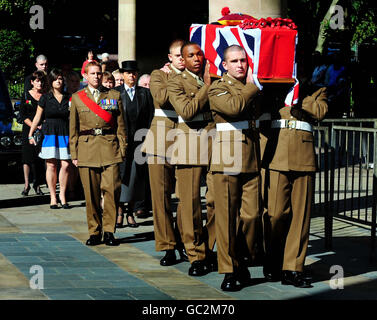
(346, 182)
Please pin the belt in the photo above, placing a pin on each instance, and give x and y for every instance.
(292, 124)
(237, 125)
(165, 113)
(205, 116)
(96, 132)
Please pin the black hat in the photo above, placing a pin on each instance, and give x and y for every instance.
(129, 65)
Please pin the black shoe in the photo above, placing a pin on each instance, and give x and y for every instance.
(272, 275)
(54, 206)
(296, 279)
(108, 238)
(94, 240)
(38, 190)
(198, 268)
(120, 224)
(25, 192)
(131, 225)
(66, 206)
(142, 214)
(230, 283)
(182, 254)
(243, 275)
(169, 258)
(212, 261)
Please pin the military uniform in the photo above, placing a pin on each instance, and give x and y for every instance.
(289, 160)
(161, 172)
(191, 152)
(235, 165)
(99, 148)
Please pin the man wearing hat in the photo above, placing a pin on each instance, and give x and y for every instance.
(138, 113)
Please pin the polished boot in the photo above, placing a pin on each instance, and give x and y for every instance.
(198, 268)
(243, 275)
(230, 282)
(296, 279)
(108, 238)
(182, 254)
(169, 258)
(211, 260)
(272, 275)
(94, 240)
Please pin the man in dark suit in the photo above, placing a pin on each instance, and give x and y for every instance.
(138, 113)
(40, 64)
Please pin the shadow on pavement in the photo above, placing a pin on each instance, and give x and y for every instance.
(144, 236)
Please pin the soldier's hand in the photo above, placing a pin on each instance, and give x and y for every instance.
(166, 68)
(75, 162)
(206, 75)
(249, 77)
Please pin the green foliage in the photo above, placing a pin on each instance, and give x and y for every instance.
(14, 51)
(363, 22)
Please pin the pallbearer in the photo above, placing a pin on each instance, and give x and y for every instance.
(188, 94)
(235, 166)
(156, 146)
(290, 165)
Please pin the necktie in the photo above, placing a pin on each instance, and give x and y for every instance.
(131, 93)
(200, 81)
(96, 95)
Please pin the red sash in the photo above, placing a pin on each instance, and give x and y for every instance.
(106, 116)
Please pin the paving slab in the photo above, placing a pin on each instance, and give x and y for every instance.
(55, 239)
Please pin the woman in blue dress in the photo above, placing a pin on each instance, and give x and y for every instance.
(54, 105)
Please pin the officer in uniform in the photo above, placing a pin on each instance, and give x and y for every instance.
(161, 172)
(97, 145)
(235, 165)
(289, 160)
(188, 94)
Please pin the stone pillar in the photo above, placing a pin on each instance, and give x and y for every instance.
(256, 8)
(126, 30)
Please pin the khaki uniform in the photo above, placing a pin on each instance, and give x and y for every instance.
(289, 159)
(191, 152)
(98, 159)
(161, 172)
(235, 166)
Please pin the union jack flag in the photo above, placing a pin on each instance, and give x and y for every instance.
(271, 52)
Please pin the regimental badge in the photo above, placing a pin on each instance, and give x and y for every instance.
(109, 104)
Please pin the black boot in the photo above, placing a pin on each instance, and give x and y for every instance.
(230, 282)
(295, 278)
(169, 258)
(108, 238)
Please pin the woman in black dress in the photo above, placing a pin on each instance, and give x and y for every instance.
(54, 106)
(28, 108)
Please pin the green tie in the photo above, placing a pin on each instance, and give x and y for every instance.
(200, 81)
(96, 95)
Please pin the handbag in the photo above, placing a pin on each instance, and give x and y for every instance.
(38, 137)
